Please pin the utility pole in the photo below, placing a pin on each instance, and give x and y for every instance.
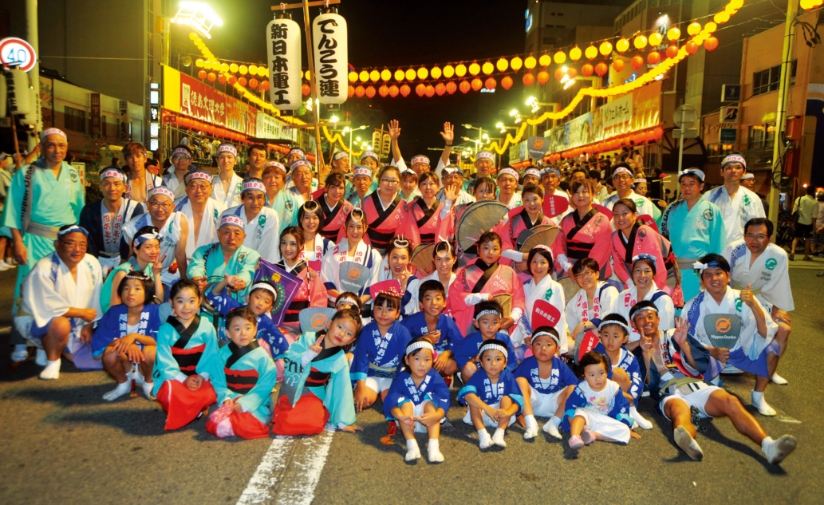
(34, 73)
(781, 114)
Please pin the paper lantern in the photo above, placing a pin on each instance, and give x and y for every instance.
(233, 68)
(253, 83)
(618, 64)
(448, 71)
(423, 73)
(199, 63)
(737, 3)
(640, 42)
(559, 57)
(253, 69)
(694, 28)
(374, 76)
(575, 53)
(654, 57)
(440, 89)
(572, 72)
(637, 61)
(264, 84)
(506, 82)
(243, 70)
(393, 91)
(386, 74)
(224, 67)
(410, 74)
(692, 47)
(530, 62)
(399, 75)
(383, 90)
(528, 79)
(711, 43)
(405, 90)
(502, 65)
(420, 89)
(436, 72)
(430, 91)
(543, 77)
(359, 91)
(601, 69)
(221, 79)
(622, 45)
(721, 18)
(487, 68)
(451, 87)
(544, 60)
(672, 51)
(474, 69)
(232, 80)
(587, 69)
(305, 90)
(710, 27)
(673, 34)
(284, 56)
(460, 70)
(363, 76)
(559, 73)
(242, 81)
(516, 63)
(201, 74)
(370, 92)
(464, 87)
(490, 83)
(477, 84)
(605, 49)
(591, 52)
(655, 39)
(207, 65)
(353, 77)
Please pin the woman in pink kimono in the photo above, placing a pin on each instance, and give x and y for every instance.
(585, 233)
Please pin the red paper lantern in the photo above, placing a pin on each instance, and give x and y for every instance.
(464, 87)
(405, 90)
(451, 87)
(711, 43)
(232, 80)
(351, 91)
(657, 132)
(420, 89)
(559, 74)
(654, 57)
(359, 92)
(543, 77)
(672, 51)
(692, 47)
(618, 64)
(222, 79)
(264, 85)
(242, 81)
(490, 83)
(637, 61)
(601, 69)
(393, 91)
(370, 92)
(587, 69)
(477, 84)
(572, 72)
(440, 89)
(211, 77)
(528, 79)
(383, 90)
(253, 83)
(201, 74)
(305, 90)
(430, 91)
(506, 82)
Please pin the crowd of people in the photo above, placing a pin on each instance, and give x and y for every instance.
(160, 284)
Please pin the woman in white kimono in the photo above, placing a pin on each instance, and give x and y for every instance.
(540, 287)
(593, 301)
(316, 245)
(644, 268)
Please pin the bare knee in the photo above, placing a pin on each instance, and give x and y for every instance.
(468, 371)
(60, 328)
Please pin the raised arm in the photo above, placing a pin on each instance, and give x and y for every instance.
(394, 133)
(448, 135)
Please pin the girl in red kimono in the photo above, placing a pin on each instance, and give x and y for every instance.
(482, 189)
(483, 278)
(523, 218)
(384, 209)
(312, 292)
(333, 207)
(426, 219)
(585, 233)
(309, 220)
(631, 239)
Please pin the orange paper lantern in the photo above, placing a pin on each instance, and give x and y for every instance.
(654, 57)
(351, 92)
(305, 90)
(405, 90)
(637, 61)
(430, 91)
(543, 77)
(711, 44)
(572, 72)
(393, 91)
(242, 81)
(370, 92)
(420, 89)
(253, 83)
(464, 87)
(359, 92)
(672, 51)
(692, 47)
(587, 69)
(477, 84)
(222, 80)
(201, 74)
(528, 79)
(211, 77)
(383, 91)
(506, 82)
(440, 89)
(559, 73)
(490, 83)
(618, 64)
(232, 80)
(451, 87)
(601, 69)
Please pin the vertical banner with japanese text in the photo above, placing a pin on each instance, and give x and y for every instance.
(331, 48)
(94, 115)
(283, 47)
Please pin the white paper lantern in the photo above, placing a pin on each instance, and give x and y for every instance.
(283, 47)
(331, 46)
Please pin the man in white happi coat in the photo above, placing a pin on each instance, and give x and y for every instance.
(737, 203)
(260, 222)
(762, 267)
(227, 185)
(62, 294)
(622, 179)
(202, 212)
(181, 160)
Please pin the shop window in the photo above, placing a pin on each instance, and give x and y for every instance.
(769, 136)
(768, 80)
(756, 137)
(74, 119)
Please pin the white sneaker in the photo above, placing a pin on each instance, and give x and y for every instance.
(777, 450)
(639, 419)
(761, 404)
(4, 266)
(777, 379)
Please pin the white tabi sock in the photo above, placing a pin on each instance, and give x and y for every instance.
(498, 437)
(121, 389)
(761, 404)
(52, 370)
(777, 450)
(433, 451)
(413, 452)
(147, 389)
(20, 353)
(531, 427)
(641, 420)
(40, 358)
(551, 427)
(484, 440)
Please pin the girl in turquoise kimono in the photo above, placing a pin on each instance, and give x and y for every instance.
(146, 246)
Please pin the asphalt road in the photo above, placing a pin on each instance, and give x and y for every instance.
(62, 444)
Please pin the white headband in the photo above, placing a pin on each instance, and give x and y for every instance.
(421, 344)
(547, 334)
(734, 158)
(508, 171)
(488, 312)
(264, 285)
(493, 347)
(613, 321)
(692, 171)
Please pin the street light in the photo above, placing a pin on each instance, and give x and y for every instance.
(350, 131)
(198, 15)
(503, 128)
(517, 115)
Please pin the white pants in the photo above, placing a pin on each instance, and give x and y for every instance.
(604, 425)
(697, 399)
(378, 384)
(544, 404)
(488, 421)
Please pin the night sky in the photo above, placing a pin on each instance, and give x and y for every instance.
(408, 33)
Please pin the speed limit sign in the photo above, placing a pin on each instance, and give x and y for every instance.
(16, 52)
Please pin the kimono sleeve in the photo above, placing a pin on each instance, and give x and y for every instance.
(513, 391)
(197, 265)
(567, 378)
(339, 397)
(439, 395)
(512, 361)
(154, 320)
(166, 367)
(318, 297)
(327, 272)
(396, 396)
(50, 303)
(618, 265)
(620, 408)
(223, 303)
(210, 353)
(454, 337)
(13, 214)
(108, 329)
(465, 351)
(633, 370)
(575, 401)
(274, 337)
(777, 290)
(247, 271)
(261, 393)
(474, 386)
(87, 222)
(219, 376)
(360, 362)
(717, 232)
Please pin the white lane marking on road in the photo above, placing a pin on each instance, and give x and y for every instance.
(288, 478)
(787, 419)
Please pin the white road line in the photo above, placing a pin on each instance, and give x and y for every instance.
(286, 477)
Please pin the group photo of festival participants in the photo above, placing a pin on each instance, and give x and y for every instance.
(288, 298)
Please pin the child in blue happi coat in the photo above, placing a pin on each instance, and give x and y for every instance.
(488, 318)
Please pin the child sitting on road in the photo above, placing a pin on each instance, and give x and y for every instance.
(418, 400)
(488, 317)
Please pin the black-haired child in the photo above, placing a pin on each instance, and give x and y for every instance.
(186, 345)
(545, 382)
(488, 317)
(492, 395)
(418, 400)
(243, 376)
(597, 408)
